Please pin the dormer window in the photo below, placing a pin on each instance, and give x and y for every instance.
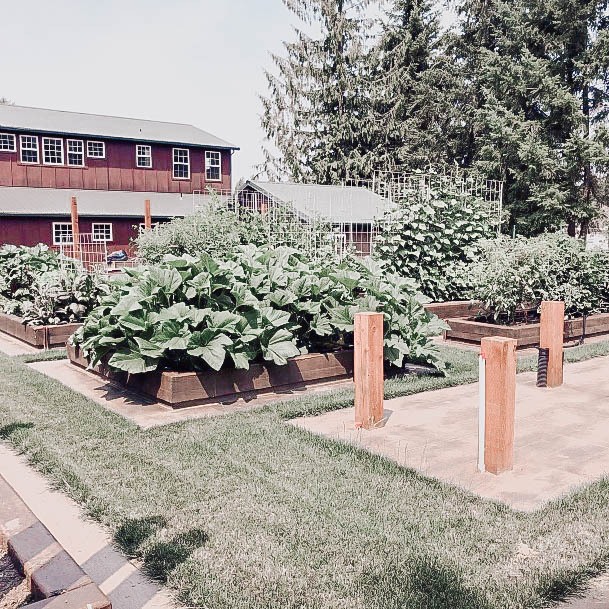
(143, 156)
(52, 151)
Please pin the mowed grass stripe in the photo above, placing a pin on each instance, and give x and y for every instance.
(245, 511)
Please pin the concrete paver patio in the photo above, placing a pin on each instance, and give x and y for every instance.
(561, 435)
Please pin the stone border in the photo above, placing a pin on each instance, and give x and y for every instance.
(41, 337)
(181, 389)
(54, 578)
(471, 331)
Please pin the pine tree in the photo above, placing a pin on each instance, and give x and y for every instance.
(315, 114)
(412, 107)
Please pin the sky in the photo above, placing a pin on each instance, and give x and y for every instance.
(189, 61)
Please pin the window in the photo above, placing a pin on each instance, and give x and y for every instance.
(212, 166)
(52, 151)
(76, 152)
(142, 227)
(101, 231)
(29, 148)
(7, 142)
(96, 150)
(181, 164)
(62, 233)
(143, 156)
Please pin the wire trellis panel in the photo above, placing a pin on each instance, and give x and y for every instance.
(92, 254)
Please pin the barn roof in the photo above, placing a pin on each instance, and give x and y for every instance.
(42, 120)
(23, 201)
(345, 204)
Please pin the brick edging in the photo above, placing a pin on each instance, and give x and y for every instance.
(54, 577)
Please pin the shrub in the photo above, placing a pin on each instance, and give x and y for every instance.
(42, 287)
(515, 274)
(219, 231)
(259, 303)
(431, 237)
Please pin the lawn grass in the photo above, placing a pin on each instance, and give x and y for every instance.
(247, 512)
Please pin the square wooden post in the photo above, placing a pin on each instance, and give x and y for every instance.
(147, 216)
(551, 336)
(75, 228)
(368, 369)
(500, 400)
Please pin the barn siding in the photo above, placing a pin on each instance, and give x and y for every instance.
(117, 171)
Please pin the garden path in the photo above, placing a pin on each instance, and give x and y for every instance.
(561, 435)
(87, 542)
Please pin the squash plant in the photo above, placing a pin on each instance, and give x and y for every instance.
(259, 303)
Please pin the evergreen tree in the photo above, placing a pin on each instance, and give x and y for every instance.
(413, 113)
(315, 114)
(535, 83)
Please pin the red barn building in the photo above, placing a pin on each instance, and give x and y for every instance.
(111, 164)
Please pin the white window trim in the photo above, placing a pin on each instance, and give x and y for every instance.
(94, 156)
(14, 148)
(55, 241)
(94, 224)
(142, 227)
(210, 152)
(137, 156)
(173, 163)
(44, 161)
(68, 153)
(35, 138)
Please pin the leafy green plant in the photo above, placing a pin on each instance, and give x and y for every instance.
(41, 287)
(512, 275)
(199, 313)
(431, 237)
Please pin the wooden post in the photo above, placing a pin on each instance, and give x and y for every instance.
(500, 399)
(368, 369)
(147, 216)
(75, 229)
(551, 337)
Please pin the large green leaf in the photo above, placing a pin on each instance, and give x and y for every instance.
(210, 347)
(132, 362)
(279, 347)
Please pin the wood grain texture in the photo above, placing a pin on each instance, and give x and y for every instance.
(551, 336)
(500, 397)
(368, 369)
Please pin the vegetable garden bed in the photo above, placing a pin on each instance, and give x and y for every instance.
(41, 337)
(454, 309)
(527, 335)
(180, 389)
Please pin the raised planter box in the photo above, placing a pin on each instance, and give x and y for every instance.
(454, 309)
(41, 337)
(470, 331)
(178, 389)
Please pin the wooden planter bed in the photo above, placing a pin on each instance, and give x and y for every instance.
(41, 337)
(454, 309)
(527, 335)
(178, 389)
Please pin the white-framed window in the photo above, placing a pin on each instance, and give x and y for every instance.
(76, 152)
(101, 231)
(29, 149)
(96, 150)
(181, 164)
(62, 233)
(142, 227)
(213, 162)
(8, 142)
(143, 156)
(52, 151)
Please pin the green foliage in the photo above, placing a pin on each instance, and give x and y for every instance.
(41, 287)
(257, 304)
(219, 231)
(431, 237)
(517, 274)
